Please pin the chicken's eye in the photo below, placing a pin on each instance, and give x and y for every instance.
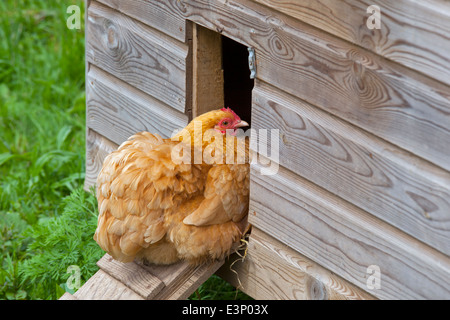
(225, 122)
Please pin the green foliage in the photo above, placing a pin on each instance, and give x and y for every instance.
(41, 107)
(11, 245)
(42, 126)
(59, 242)
(215, 288)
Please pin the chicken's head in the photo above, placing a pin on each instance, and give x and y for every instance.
(219, 120)
(228, 120)
(201, 128)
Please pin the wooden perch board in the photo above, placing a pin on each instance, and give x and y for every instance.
(136, 281)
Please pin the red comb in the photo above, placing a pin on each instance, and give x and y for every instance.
(234, 113)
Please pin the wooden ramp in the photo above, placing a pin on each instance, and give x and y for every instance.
(135, 281)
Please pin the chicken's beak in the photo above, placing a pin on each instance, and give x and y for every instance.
(241, 124)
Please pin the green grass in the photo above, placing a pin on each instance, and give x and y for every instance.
(42, 125)
(46, 219)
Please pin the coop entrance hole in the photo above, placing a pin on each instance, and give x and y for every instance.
(221, 75)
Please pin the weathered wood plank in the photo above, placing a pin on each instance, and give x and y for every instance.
(183, 289)
(181, 279)
(132, 275)
(116, 110)
(137, 54)
(208, 81)
(378, 95)
(413, 33)
(376, 176)
(189, 70)
(344, 239)
(102, 286)
(97, 148)
(272, 270)
(137, 281)
(67, 296)
(157, 14)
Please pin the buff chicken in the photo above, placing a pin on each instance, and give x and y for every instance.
(184, 198)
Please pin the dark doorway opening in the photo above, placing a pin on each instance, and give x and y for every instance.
(237, 83)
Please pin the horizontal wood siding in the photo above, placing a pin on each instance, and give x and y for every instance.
(272, 270)
(413, 33)
(160, 15)
(345, 239)
(382, 97)
(97, 148)
(117, 110)
(141, 56)
(376, 176)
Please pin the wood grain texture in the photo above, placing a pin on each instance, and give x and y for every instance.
(97, 148)
(344, 239)
(272, 270)
(67, 296)
(102, 286)
(116, 110)
(208, 81)
(133, 276)
(373, 93)
(137, 281)
(413, 33)
(382, 96)
(157, 14)
(181, 279)
(376, 176)
(137, 54)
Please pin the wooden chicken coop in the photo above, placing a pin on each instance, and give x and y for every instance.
(359, 90)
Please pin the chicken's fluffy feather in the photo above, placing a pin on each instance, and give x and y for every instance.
(153, 208)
